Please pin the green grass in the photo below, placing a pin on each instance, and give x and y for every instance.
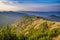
(11, 33)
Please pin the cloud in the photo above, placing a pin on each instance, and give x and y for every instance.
(6, 5)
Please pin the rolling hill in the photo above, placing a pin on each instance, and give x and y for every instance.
(32, 27)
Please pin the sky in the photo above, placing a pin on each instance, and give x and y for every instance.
(29, 5)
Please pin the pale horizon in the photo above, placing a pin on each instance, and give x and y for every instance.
(16, 5)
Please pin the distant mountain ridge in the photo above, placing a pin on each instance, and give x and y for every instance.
(10, 16)
(53, 18)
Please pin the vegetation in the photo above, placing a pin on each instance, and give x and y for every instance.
(44, 32)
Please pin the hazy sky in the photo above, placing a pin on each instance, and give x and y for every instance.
(29, 5)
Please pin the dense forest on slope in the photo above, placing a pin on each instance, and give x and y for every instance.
(30, 28)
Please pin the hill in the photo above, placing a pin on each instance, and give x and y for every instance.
(37, 28)
(26, 21)
(29, 28)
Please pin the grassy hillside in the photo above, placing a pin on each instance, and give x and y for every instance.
(31, 28)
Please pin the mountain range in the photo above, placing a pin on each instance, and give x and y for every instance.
(9, 17)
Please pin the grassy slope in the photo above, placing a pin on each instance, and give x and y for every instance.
(33, 25)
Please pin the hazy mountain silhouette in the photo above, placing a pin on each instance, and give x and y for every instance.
(53, 18)
(10, 17)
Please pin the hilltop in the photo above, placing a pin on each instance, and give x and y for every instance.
(34, 21)
(36, 27)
